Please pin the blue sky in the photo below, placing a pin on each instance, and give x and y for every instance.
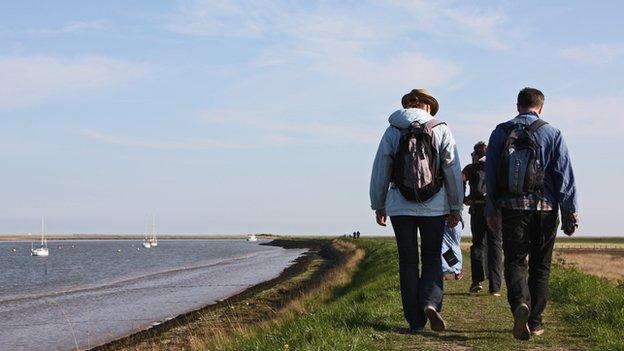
(264, 116)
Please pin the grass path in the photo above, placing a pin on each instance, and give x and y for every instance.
(366, 315)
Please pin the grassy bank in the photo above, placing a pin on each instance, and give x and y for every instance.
(593, 306)
(365, 314)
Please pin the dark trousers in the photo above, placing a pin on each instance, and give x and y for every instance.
(532, 233)
(494, 242)
(419, 289)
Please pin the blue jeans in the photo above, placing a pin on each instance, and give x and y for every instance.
(419, 290)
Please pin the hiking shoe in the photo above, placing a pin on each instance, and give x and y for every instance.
(521, 327)
(537, 330)
(475, 288)
(435, 320)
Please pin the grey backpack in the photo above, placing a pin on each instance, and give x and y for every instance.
(416, 168)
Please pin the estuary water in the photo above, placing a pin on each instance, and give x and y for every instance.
(88, 292)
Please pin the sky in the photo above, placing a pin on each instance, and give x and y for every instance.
(232, 117)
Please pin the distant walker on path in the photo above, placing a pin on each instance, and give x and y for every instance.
(529, 178)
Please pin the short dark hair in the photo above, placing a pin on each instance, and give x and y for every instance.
(530, 97)
(479, 149)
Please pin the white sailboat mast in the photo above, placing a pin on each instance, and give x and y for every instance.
(153, 227)
(43, 241)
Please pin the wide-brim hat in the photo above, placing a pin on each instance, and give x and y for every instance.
(425, 96)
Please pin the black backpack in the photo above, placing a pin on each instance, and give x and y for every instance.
(521, 171)
(415, 171)
(477, 182)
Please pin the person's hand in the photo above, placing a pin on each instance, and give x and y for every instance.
(494, 222)
(569, 231)
(452, 220)
(380, 216)
(569, 228)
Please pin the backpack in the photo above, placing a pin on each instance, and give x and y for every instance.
(521, 170)
(416, 170)
(477, 182)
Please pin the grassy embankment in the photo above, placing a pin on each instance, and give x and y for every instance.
(365, 314)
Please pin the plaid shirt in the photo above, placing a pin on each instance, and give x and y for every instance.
(529, 202)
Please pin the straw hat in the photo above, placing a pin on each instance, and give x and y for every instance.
(425, 96)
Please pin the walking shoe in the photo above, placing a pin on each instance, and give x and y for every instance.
(475, 288)
(435, 320)
(537, 330)
(496, 293)
(521, 327)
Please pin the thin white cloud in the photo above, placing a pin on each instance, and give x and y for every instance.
(220, 18)
(159, 144)
(479, 25)
(265, 124)
(72, 27)
(594, 53)
(32, 79)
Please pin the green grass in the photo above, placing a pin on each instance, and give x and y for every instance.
(593, 305)
(366, 314)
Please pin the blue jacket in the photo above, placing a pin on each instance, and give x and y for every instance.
(384, 195)
(559, 185)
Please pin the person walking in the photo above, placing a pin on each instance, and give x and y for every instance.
(529, 178)
(416, 181)
(474, 175)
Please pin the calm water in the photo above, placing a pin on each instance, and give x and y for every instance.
(90, 292)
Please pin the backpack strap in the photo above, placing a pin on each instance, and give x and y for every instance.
(537, 124)
(432, 123)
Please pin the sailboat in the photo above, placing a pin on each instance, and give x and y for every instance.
(43, 250)
(146, 241)
(153, 241)
(252, 237)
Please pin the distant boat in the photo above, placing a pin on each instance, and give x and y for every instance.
(146, 241)
(153, 241)
(252, 237)
(43, 250)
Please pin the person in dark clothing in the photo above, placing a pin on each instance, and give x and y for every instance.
(474, 175)
(357, 234)
(529, 178)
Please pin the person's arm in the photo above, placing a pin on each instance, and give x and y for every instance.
(465, 176)
(451, 169)
(492, 159)
(380, 177)
(565, 185)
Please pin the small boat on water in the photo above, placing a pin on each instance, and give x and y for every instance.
(43, 250)
(146, 240)
(252, 238)
(153, 241)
